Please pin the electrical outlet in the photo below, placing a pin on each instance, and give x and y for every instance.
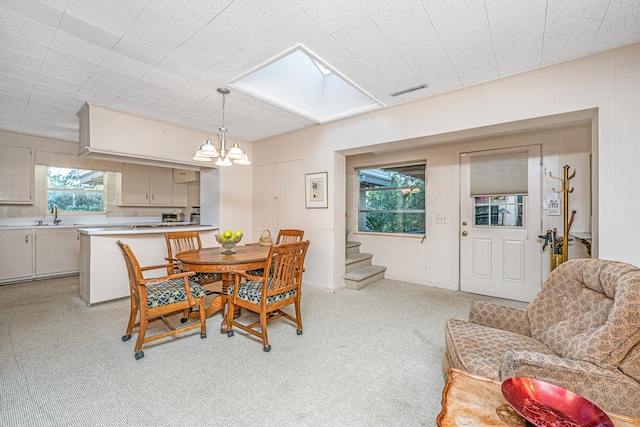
(442, 219)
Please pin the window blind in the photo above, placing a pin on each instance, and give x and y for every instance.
(500, 174)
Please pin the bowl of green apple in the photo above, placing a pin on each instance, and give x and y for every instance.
(229, 240)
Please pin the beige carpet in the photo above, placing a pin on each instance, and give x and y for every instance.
(366, 358)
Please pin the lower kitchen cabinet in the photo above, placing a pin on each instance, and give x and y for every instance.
(16, 255)
(57, 251)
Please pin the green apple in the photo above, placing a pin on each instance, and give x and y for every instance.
(238, 233)
(227, 234)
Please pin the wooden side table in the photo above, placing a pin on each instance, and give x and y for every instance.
(471, 400)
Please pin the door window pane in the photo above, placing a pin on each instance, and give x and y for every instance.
(499, 211)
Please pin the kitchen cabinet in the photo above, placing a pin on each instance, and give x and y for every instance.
(16, 175)
(146, 186)
(57, 251)
(181, 175)
(16, 255)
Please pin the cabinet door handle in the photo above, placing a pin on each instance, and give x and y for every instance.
(153, 197)
(146, 196)
(26, 239)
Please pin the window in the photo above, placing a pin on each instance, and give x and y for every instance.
(75, 190)
(392, 199)
(499, 211)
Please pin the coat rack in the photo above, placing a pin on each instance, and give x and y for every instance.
(563, 241)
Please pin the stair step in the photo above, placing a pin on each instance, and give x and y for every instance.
(357, 261)
(362, 277)
(352, 248)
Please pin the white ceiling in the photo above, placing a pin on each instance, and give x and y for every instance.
(164, 59)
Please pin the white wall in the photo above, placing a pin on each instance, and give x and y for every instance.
(607, 83)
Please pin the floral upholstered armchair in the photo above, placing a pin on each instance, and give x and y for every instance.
(581, 332)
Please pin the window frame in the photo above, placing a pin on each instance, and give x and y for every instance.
(361, 195)
(49, 189)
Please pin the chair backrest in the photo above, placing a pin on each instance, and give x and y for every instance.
(285, 236)
(286, 261)
(587, 309)
(181, 241)
(133, 267)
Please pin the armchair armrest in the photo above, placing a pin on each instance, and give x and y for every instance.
(248, 276)
(155, 267)
(600, 385)
(499, 316)
(169, 277)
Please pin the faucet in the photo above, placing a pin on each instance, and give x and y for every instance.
(54, 210)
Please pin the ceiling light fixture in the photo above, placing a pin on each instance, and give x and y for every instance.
(208, 151)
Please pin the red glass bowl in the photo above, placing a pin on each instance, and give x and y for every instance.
(547, 405)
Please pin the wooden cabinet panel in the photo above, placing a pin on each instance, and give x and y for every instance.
(146, 185)
(16, 175)
(182, 175)
(57, 251)
(16, 260)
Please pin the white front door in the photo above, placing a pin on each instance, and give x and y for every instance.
(500, 252)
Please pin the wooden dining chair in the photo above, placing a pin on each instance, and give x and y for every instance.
(269, 293)
(182, 241)
(284, 236)
(154, 298)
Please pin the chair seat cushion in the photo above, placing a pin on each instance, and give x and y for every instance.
(171, 291)
(252, 292)
(481, 349)
(202, 277)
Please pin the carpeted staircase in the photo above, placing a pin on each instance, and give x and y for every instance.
(359, 272)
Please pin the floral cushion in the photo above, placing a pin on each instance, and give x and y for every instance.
(203, 277)
(252, 292)
(171, 291)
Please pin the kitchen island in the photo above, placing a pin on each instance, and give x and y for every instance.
(103, 274)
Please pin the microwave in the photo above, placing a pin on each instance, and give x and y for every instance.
(172, 217)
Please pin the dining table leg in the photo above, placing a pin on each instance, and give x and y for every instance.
(228, 279)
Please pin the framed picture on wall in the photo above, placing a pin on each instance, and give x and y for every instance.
(316, 195)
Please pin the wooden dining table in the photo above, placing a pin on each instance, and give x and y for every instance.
(213, 260)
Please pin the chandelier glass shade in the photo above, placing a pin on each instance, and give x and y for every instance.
(208, 151)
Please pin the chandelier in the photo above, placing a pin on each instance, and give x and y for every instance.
(207, 151)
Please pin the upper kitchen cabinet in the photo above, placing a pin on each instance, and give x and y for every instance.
(16, 175)
(149, 185)
(114, 135)
(181, 175)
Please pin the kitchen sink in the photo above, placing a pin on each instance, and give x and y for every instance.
(160, 225)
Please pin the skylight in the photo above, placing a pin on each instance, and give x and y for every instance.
(300, 82)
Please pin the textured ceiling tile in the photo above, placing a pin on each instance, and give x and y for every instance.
(44, 109)
(125, 65)
(59, 83)
(149, 89)
(112, 16)
(269, 13)
(243, 60)
(166, 17)
(467, 39)
(150, 38)
(35, 11)
(14, 70)
(108, 85)
(13, 44)
(71, 62)
(137, 52)
(175, 66)
(52, 100)
(63, 73)
(26, 28)
(361, 38)
(217, 45)
(18, 82)
(53, 91)
(13, 90)
(372, 5)
(335, 14)
(202, 11)
(193, 58)
(621, 25)
(513, 29)
(268, 45)
(571, 26)
(78, 47)
(393, 20)
(80, 29)
(237, 26)
(299, 28)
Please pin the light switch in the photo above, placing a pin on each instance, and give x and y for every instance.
(442, 219)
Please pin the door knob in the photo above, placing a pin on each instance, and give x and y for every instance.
(464, 223)
(464, 233)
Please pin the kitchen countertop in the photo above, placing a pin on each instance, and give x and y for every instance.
(143, 229)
